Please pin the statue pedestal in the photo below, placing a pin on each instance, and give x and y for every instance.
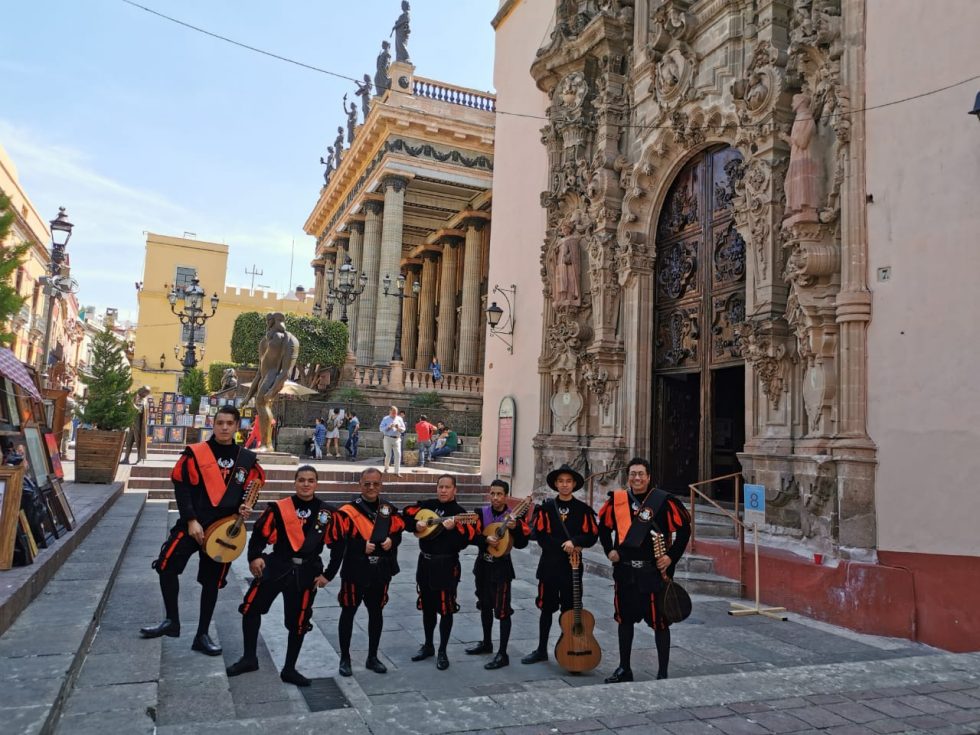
(267, 458)
(402, 76)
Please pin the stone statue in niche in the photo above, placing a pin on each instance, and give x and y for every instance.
(381, 79)
(338, 146)
(351, 113)
(401, 31)
(568, 267)
(669, 73)
(803, 175)
(364, 92)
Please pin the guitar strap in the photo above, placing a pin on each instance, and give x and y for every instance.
(553, 508)
(373, 526)
(382, 523)
(643, 520)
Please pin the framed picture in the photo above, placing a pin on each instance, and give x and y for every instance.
(176, 435)
(10, 402)
(30, 545)
(169, 397)
(11, 479)
(37, 455)
(51, 442)
(168, 407)
(61, 507)
(159, 435)
(168, 419)
(25, 409)
(205, 434)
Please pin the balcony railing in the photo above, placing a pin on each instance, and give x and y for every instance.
(454, 95)
(418, 381)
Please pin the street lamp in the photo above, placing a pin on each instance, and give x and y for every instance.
(60, 235)
(347, 291)
(495, 314)
(396, 355)
(192, 314)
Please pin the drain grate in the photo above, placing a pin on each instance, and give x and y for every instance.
(324, 694)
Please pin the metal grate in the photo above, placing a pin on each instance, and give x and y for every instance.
(324, 694)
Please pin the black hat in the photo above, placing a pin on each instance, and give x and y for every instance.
(565, 470)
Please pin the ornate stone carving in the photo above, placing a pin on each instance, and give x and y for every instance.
(677, 269)
(804, 177)
(757, 191)
(764, 347)
(567, 267)
(596, 378)
(729, 257)
(756, 91)
(729, 313)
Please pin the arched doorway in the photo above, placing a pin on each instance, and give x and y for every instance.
(699, 374)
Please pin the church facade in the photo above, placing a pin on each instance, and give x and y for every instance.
(730, 214)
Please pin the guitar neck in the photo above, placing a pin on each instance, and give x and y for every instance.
(251, 495)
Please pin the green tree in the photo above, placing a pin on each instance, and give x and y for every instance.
(11, 257)
(322, 343)
(429, 399)
(193, 386)
(107, 403)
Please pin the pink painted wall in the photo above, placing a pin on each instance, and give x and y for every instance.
(923, 162)
(519, 177)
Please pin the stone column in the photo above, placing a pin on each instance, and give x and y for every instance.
(410, 316)
(320, 289)
(447, 304)
(427, 312)
(369, 298)
(356, 250)
(390, 265)
(469, 318)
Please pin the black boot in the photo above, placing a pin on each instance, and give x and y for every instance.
(345, 669)
(374, 664)
(426, 650)
(442, 661)
(289, 674)
(480, 648)
(205, 645)
(535, 656)
(541, 652)
(292, 676)
(662, 638)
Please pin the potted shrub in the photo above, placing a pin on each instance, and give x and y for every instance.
(107, 411)
(410, 454)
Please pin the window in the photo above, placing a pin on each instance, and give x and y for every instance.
(185, 334)
(183, 278)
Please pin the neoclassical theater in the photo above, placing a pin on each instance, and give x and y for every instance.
(711, 257)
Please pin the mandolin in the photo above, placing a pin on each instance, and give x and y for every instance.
(428, 523)
(224, 540)
(577, 650)
(499, 529)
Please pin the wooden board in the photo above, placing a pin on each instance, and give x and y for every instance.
(11, 479)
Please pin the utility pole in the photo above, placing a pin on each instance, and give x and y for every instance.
(253, 273)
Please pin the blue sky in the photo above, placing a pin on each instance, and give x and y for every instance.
(134, 123)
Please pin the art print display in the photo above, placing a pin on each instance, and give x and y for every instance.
(37, 455)
(10, 491)
(54, 456)
(159, 434)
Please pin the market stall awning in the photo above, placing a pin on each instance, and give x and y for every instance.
(13, 369)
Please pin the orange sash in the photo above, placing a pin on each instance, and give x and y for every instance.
(294, 526)
(364, 525)
(623, 513)
(214, 483)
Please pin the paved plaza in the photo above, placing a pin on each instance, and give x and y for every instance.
(747, 675)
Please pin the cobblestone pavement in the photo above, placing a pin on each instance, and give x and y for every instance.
(728, 675)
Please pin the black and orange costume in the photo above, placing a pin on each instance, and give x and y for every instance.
(437, 577)
(626, 522)
(555, 522)
(209, 483)
(297, 530)
(492, 576)
(365, 577)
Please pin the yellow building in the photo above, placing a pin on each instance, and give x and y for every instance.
(174, 262)
(28, 325)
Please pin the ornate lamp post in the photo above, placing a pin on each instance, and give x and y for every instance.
(191, 314)
(396, 355)
(60, 234)
(349, 287)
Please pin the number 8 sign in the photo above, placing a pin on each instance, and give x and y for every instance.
(755, 504)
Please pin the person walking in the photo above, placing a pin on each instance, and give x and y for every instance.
(392, 427)
(353, 436)
(423, 434)
(319, 438)
(333, 433)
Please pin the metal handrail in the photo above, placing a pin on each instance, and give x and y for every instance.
(739, 525)
(588, 480)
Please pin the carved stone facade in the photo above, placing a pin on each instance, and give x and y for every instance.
(698, 156)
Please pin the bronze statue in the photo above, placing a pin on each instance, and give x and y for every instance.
(381, 79)
(229, 378)
(328, 162)
(401, 30)
(338, 145)
(137, 430)
(364, 92)
(278, 351)
(351, 119)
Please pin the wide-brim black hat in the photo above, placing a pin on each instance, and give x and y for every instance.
(565, 470)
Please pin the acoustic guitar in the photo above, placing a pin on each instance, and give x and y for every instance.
(499, 529)
(428, 523)
(577, 650)
(224, 540)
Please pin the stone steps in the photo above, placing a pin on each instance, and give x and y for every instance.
(43, 652)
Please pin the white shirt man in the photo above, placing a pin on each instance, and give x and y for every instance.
(392, 427)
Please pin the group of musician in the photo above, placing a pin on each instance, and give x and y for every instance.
(363, 537)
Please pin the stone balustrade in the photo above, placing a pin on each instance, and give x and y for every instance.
(454, 95)
(416, 381)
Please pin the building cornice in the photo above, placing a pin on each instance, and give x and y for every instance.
(505, 10)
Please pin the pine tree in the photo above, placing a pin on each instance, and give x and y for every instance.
(107, 404)
(193, 386)
(11, 257)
